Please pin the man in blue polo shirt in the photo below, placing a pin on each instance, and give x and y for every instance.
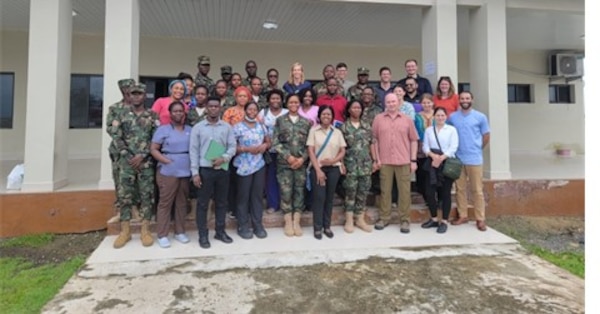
(473, 134)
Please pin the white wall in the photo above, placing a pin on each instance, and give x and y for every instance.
(533, 127)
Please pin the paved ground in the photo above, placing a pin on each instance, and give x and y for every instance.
(463, 271)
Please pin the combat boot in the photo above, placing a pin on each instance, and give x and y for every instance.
(362, 224)
(349, 225)
(288, 229)
(145, 235)
(297, 227)
(124, 236)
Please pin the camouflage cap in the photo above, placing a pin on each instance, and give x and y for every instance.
(226, 69)
(125, 83)
(363, 71)
(204, 60)
(139, 87)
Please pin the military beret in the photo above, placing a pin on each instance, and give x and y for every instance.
(204, 60)
(139, 87)
(124, 83)
(363, 71)
(226, 69)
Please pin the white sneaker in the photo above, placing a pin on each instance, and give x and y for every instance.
(182, 237)
(164, 242)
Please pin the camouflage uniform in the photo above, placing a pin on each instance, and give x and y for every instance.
(320, 89)
(204, 80)
(132, 135)
(359, 164)
(369, 114)
(113, 112)
(355, 92)
(289, 139)
(193, 117)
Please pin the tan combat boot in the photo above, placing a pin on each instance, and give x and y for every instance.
(145, 235)
(297, 227)
(349, 225)
(288, 229)
(362, 224)
(124, 236)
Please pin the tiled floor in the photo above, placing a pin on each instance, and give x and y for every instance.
(82, 176)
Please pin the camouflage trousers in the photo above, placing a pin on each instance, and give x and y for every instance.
(291, 187)
(114, 158)
(357, 188)
(136, 185)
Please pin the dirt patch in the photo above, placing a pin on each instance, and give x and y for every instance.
(557, 234)
(63, 247)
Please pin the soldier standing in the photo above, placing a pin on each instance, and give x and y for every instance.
(133, 130)
(370, 109)
(202, 76)
(289, 141)
(113, 112)
(226, 72)
(359, 164)
(355, 91)
(320, 89)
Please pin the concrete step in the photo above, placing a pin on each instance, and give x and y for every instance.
(418, 214)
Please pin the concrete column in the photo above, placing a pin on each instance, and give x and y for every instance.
(48, 94)
(439, 42)
(121, 60)
(488, 78)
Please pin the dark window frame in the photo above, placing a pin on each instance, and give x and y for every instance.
(567, 96)
(8, 121)
(520, 93)
(91, 120)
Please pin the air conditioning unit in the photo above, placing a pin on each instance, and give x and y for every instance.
(566, 64)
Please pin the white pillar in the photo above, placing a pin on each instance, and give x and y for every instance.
(488, 78)
(121, 60)
(48, 94)
(439, 42)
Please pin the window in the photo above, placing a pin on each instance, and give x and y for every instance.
(561, 94)
(7, 89)
(86, 101)
(519, 93)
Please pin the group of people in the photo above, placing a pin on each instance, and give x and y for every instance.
(241, 140)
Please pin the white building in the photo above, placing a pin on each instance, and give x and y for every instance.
(50, 49)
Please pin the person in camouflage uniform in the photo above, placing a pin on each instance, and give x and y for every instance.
(198, 112)
(371, 109)
(256, 89)
(132, 134)
(221, 91)
(289, 141)
(355, 90)
(251, 70)
(320, 89)
(202, 76)
(272, 81)
(113, 112)
(226, 72)
(359, 165)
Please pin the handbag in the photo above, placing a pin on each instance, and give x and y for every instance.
(308, 183)
(452, 167)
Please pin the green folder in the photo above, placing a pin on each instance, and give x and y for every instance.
(216, 150)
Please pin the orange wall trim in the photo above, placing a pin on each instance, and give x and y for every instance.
(58, 212)
(83, 211)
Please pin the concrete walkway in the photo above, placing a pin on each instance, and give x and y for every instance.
(462, 271)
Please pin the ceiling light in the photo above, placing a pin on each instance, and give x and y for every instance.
(74, 13)
(270, 25)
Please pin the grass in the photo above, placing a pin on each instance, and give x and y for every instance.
(35, 240)
(570, 261)
(26, 288)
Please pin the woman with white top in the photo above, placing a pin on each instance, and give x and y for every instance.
(440, 142)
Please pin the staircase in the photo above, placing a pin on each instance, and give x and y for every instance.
(418, 214)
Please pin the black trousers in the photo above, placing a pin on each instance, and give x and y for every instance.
(232, 188)
(322, 203)
(443, 191)
(250, 190)
(215, 183)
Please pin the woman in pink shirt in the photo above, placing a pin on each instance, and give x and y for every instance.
(308, 109)
(177, 92)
